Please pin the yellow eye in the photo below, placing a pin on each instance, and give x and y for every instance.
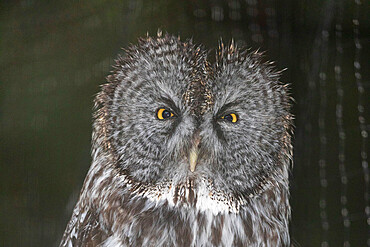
(163, 114)
(232, 117)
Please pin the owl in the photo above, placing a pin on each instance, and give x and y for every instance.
(186, 152)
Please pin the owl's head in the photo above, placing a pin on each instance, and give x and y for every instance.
(170, 119)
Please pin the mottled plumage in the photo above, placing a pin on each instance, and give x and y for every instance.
(228, 122)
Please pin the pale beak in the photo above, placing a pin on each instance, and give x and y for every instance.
(193, 155)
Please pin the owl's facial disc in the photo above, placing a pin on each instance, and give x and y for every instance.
(170, 117)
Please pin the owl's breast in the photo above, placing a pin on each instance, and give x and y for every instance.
(149, 220)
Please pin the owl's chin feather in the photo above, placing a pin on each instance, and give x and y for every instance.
(197, 193)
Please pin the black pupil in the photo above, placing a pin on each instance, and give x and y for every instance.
(228, 118)
(166, 114)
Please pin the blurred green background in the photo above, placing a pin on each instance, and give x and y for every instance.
(54, 55)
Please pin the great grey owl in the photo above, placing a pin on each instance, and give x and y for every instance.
(187, 153)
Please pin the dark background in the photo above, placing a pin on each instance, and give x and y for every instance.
(53, 56)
